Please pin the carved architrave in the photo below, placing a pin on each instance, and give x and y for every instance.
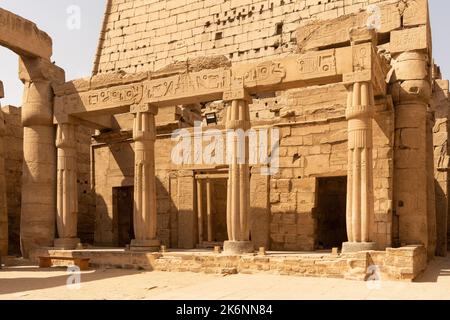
(266, 73)
(187, 85)
(317, 64)
(114, 96)
(294, 71)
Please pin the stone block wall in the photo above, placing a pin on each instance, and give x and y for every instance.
(13, 142)
(406, 263)
(441, 163)
(86, 195)
(146, 35)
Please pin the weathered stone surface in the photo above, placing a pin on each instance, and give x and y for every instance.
(238, 247)
(410, 40)
(305, 70)
(23, 36)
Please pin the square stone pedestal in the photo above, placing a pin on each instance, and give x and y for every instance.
(238, 247)
(348, 247)
(145, 245)
(66, 243)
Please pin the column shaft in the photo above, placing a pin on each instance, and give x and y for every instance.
(209, 210)
(239, 177)
(37, 225)
(360, 170)
(238, 197)
(413, 187)
(200, 211)
(3, 207)
(145, 215)
(67, 189)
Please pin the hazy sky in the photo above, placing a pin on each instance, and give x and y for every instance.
(74, 49)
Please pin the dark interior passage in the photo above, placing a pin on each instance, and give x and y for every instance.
(220, 210)
(218, 207)
(123, 215)
(331, 212)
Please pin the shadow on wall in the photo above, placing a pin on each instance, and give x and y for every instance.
(115, 200)
(442, 206)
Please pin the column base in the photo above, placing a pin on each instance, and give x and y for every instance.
(238, 247)
(66, 243)
(348, 247)
(145, 245)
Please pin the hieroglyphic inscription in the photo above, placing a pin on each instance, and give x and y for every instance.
(316, 65)
(124, 95)
(187, 84)
(390, 18)
(267, 73)
(409, 39)
(293, 71)
(361, 57)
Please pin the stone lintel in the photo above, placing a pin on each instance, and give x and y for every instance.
(237, 94)
(144, 108)
(412, 39)
(294, 71)
(39, 69)
(23, 37)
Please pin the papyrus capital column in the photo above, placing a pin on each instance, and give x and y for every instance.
(66, 191)
(238, 196)
(414, 186)
(37, 226)
(360, 207)
(145, 215)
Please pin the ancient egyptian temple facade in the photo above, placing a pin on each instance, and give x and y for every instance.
(347, 96)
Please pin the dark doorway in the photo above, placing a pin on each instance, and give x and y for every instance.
(220, 233)
(331, 212)
(213, 230)
(123, 215)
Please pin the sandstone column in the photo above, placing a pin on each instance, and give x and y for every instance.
(67, 193)
(359, 113)
(200, 211)
(209, 209)
(238, 197)
(3, 207)
(39, 172)
(145, 216)
(411, 92)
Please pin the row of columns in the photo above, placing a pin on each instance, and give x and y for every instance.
(145, 214)
(40, 170)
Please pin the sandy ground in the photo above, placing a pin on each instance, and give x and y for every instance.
(18, 283)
